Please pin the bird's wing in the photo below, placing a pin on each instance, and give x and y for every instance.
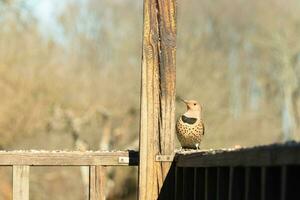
(203, 127)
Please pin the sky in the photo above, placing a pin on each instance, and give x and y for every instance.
(46, 12)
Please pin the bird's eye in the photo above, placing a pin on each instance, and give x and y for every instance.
(195, 104)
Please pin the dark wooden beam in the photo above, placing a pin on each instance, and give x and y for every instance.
(278, 154)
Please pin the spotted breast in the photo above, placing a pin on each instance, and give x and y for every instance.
(189, 131)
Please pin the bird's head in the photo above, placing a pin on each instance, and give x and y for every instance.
(192, 105)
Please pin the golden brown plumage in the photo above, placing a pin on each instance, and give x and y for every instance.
(190, 127)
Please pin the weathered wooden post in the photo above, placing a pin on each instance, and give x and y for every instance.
(20, 182)
(157, 96)
(97, 183)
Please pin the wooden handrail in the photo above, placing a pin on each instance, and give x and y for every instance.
(68, 158)
(96, 160)
(268, 155)
(264, 172)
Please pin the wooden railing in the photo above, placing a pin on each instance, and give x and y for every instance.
(21, 161)
(262, 173)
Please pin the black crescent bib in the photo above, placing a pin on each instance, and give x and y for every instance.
(188, 120)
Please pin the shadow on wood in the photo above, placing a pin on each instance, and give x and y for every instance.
(133, 158)
(168, 189)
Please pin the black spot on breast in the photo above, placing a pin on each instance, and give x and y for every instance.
(188, 120)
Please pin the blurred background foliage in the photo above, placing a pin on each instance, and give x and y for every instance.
(72, 68)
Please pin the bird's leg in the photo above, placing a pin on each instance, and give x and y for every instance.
(197, 146)
(184, 148)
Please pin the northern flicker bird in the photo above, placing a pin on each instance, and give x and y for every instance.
(189, 126)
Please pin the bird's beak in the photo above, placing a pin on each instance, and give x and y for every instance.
(184, 101)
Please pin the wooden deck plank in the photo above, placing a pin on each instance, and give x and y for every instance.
(65, 158)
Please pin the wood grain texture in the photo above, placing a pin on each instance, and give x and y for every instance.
(97, 183)
(64, 158)
(20, 182)
(268, 155)
(157, 126)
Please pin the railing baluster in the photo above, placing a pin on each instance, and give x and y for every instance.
(283, 182)
(230, 186)
(237, 183)
(292, 182)
(211, 183)
(20, 182)
(223, 183)
(273, 180)
(188, 180)
(263, 183)
(179, 183)
(195, 184)
(97, 183)
(199, 184)
(184, 183)
(206, 183)
(247, 182)
(253, 187)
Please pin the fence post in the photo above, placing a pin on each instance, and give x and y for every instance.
(97, 183)
(20, 182)
(157, 126)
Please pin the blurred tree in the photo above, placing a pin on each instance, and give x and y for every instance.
(240, 59)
